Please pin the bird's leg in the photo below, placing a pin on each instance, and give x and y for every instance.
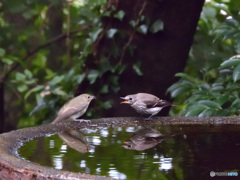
(155, 104)
(144, 117)
(150, 117)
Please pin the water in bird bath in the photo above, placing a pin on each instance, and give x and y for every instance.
(160, 152)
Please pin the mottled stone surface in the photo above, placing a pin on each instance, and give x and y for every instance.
(12, 167)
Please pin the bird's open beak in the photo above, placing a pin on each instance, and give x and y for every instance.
(125, 101)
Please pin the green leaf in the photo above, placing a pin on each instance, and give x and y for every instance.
(95, 34)
(39, 99)
(104, 89)
(31, 81)
(29, 13)
(132, 23)
(131, 49)
(230, 63)
(111, 32)
(106, 13)
(40, 105)
(236, 73)
(178, 91)
(182, 75)
(232, 22)
(178, 85)
(137, 68)
(80, 78)
(22, 88)
(28, 73)
(217, 87)
(35, 89)
(142, 18)
(143, 29)
(7, 61)
(225, 71)
(59, 91)
(50, 74)
(210, 12)
(92, 76)
(188, 78)
(56, 80)
(40, 61)
(222, 99)
(120, 15)
(195, 110)
(20, 76)
(236, 103)
(2, 52)
(106, 104)
(206, 113)
(210, 104)
(157, 26)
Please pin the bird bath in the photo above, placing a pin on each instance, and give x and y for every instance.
(123, 148)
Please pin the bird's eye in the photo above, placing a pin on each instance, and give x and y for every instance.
(130, 98)
(129, 146)
(88, 97)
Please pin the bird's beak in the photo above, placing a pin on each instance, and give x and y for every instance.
(125, 101)
(125, 143)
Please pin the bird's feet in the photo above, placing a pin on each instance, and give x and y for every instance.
(82, 120)
(148, 119)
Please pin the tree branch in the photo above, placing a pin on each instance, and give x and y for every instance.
(132, 34)
(33, 51)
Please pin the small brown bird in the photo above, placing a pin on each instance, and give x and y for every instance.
(76, 140)
(143, 139)
(145, 103)
(74, 108)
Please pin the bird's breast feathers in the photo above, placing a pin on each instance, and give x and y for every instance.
(143, 109)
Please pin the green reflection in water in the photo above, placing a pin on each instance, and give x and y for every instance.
(179, 152)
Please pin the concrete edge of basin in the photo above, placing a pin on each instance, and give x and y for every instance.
(14, 167)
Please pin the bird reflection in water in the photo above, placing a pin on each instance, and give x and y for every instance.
(76, 140)
(143, 139)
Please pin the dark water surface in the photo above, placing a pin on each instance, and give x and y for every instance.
(163, 152)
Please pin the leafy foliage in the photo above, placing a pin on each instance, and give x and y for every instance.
(51, 54)
(210, 84)
(46, 75)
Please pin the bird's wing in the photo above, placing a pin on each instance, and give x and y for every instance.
(159, 103)
(147, 100)
(163, 103)
(67, 111)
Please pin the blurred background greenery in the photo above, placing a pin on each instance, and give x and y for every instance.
(209, 84)
(51, 51)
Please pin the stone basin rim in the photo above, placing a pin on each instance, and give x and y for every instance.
(12, 166)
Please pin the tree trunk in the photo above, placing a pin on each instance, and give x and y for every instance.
(55, 17)
(162, 54)
(2, 114)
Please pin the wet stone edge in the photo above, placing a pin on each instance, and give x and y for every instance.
(13, 167)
